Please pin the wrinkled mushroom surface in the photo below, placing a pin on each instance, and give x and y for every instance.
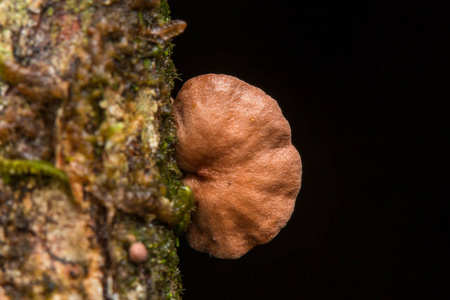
(235, 147)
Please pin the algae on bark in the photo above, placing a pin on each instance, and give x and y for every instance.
(86, 144)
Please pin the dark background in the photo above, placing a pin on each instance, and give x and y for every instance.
(362, 84)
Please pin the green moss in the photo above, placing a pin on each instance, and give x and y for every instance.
(50, 11)
(162, 259)
(165, 10)
(16, 167)
(16, 12)
(5, 55)
(171, 175)
(76, 6)
(184, 203)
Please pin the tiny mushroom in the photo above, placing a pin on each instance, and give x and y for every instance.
(235, 146)
(138, 252)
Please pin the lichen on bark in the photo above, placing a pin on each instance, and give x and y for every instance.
(85, 92)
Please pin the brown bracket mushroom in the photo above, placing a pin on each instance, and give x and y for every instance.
(235, 147)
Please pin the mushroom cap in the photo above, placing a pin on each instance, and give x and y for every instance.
(235, 147)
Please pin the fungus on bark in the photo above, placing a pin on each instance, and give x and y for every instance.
(138, 252)
(235, 147)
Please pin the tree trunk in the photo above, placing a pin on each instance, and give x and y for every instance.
(86, 144)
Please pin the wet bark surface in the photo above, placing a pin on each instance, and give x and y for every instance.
(86, 142)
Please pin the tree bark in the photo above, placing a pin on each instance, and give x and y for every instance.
(86, 144)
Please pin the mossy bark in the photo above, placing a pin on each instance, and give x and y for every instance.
(86, 142)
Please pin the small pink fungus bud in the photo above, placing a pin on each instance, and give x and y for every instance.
(138, 252)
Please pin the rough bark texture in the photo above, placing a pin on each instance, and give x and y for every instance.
(86, 142)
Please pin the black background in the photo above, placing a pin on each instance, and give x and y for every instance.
(362, 84)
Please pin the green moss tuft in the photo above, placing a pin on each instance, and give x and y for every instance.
(17, 167)
(165, 10)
